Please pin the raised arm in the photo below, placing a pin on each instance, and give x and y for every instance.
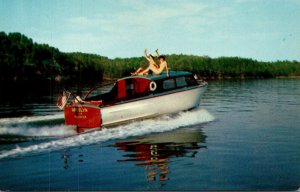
(156, 51)
(167, 70)
(146, 55)
(145, 52)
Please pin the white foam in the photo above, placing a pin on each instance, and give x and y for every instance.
(44, 131)
(21, 126)
(27, 119)
(165, 123)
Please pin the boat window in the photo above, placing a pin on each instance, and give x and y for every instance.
(129, 89)
(129, 86)
(191, 81)
(181, 82)
(169, 84)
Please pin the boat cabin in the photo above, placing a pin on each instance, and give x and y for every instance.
(137, 87)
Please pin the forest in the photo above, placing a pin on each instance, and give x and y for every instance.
(25, 62)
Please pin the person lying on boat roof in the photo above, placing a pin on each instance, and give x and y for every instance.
(153, 66)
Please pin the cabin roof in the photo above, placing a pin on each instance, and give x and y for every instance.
(161, 76)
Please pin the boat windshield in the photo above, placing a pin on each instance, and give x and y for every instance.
(98, 92)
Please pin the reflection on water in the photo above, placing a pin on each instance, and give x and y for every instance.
(66, 157)
(156, 151)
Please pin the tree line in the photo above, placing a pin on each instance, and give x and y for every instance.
(22, 60)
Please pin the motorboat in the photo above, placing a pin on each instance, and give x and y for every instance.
(134, 98)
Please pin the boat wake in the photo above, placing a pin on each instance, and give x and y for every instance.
(39, 126)
(161, 124)
(16, 120)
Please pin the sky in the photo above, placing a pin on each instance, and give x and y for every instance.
(264, 30)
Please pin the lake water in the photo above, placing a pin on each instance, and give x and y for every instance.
(245, 136)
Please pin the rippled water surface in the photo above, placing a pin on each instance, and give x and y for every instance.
(245, 136)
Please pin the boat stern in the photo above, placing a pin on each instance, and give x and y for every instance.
(83, 116)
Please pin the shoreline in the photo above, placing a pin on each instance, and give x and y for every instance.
(288, 76)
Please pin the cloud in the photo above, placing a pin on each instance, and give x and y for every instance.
(142, 24)
(123, 28)
(81, 21)
(247, 1)
(127, 27)
(140, 13)
(144, 13)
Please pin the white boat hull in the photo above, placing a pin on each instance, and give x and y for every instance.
(170, 102)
